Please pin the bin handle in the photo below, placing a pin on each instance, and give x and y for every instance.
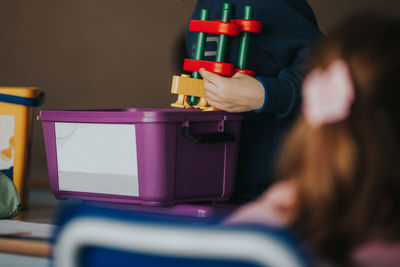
(216, 137)
(24, 101)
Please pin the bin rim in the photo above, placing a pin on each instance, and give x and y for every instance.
(23, 101)
(135, 115)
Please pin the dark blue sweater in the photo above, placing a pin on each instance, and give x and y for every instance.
(277, 54)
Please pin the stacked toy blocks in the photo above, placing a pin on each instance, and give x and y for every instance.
(190, 90)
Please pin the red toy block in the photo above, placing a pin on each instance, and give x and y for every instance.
(248, 72)
(214, 27)
(252, 26)
(221, 68)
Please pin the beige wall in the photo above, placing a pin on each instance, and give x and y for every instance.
(331, 12)
(90, 53)
(108, 54)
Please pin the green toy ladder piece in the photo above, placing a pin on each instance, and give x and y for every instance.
(199, 54)
(221, 48)
(245, 40)
(223, 39)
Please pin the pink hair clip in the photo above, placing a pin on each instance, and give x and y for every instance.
(328, 94)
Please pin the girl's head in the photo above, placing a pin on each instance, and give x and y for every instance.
(344, 152)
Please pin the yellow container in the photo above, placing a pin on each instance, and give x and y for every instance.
(16, 115)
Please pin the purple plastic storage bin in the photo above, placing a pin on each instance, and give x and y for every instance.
(155, 157)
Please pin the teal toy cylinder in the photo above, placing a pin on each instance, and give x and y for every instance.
(245, 40)
(223, 39)
(199, 54)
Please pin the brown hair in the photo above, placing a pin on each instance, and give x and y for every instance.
(348, 173)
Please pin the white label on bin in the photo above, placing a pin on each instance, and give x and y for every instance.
(97, 158)
(7, 143)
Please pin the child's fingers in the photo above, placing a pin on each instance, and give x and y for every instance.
(211, 77)
(209, 87)
(212, 101)
(239, 75)
(212, 92)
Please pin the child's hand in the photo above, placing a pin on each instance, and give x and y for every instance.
(239, 93)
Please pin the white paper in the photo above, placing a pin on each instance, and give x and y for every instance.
(7, 132)
(26, 229)
(97, 158)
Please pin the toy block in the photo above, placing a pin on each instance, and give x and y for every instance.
(221, 68)
(187, 86)
(180, 102)
(248, 25)
(214, 27)
(202, 104)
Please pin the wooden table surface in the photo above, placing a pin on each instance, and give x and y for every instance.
(40, 209)
(25, 247)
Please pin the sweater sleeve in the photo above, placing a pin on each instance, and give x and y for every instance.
(295, 30)
(282, 93)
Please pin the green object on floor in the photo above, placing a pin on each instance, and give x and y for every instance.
(10, 203)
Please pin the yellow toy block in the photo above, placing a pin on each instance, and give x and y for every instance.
(180, 103)
(183, 86)
(187, 86)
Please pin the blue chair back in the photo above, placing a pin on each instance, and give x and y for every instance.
(98, 237)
